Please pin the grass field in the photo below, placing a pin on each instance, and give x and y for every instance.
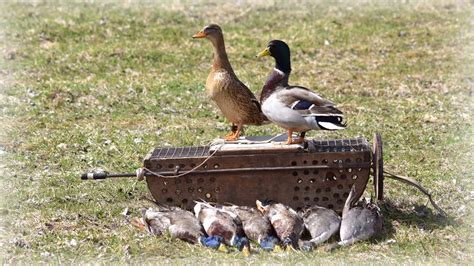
(97, 85)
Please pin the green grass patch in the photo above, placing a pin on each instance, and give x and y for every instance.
(89, 85)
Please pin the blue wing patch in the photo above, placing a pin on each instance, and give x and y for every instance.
(301, 105)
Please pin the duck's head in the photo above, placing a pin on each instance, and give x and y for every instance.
(242, 244)
(268, 243)
(281, 52)
(211, 32)
(214, 242)
(289, 244)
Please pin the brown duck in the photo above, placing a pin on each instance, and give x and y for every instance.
(234, 99)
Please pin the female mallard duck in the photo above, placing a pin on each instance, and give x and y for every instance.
(295, 108)
(180, 224)
(221, 223)
(287, 223)
(256, 226)
(321, 223)
(359, 222)
(234, 99)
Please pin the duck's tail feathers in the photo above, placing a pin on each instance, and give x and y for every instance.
(332, 122)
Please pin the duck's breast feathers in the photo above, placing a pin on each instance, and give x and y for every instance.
(285, 221)
(277, 79)
(220, 223)
(256, 225)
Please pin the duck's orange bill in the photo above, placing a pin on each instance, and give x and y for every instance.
(199, 35)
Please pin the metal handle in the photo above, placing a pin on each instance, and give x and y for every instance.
(104, 175)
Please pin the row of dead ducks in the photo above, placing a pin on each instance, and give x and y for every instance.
(273, 226)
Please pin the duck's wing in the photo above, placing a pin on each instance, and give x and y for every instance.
(322, 224)
(255, 225)
(290, 224)
(358, 224)
(304, 96)
(245, 90)
(156, 223)
(186, 227)
(311, 106)
(245, 96)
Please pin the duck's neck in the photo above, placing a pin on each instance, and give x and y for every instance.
(220, 61)
(283, 64)
(349, 203)
(276, 79)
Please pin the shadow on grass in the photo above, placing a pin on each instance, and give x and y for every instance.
(408, 214)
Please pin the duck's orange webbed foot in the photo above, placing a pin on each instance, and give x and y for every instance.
(137, 222)
(230, 137)
(235, 134)
(298, 141)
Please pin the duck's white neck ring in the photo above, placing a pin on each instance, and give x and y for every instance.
(279, 71)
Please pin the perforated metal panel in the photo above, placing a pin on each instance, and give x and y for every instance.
(321, 174)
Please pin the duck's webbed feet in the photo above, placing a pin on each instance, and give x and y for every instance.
(137, 222)
(235, 134)
(297, 141)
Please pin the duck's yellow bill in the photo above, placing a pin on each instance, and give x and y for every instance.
(246, 251)
(199, 35)
(277, 249)
(290, 248)
(223, 248)
(265, 52)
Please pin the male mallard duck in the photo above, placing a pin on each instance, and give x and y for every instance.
(287, 223)
(295, 108)
(221, 223)
(321, 223)
(359, 222)
(236, 101)
(180, 224)
(256, 226)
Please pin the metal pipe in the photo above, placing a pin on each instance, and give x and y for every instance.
(287, 168)
(104, 175)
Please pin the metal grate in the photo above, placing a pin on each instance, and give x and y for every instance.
(339, 145)
(181, 152)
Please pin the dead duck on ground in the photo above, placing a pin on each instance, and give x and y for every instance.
(222, 223)
(286, 222)
(322, 223)
(179, 223)
(256, 226)
(359, 222)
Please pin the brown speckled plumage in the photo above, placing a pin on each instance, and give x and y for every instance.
(234, 99)
(287, 223)
(255, 225)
